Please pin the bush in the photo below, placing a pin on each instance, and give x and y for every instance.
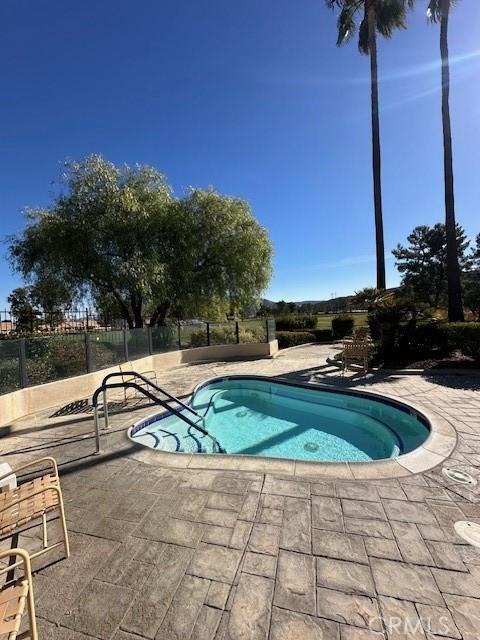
(464, 336)
(296, 323)
(198, 338)
(227, 335)
(293, 338)
(342, 326)
(323, 335)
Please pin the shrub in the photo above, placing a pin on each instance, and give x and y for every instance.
(198, 338)
(295, 323)
(293, 338)
(323, 335)
(227, 335)
(342, 326)
(464, 336)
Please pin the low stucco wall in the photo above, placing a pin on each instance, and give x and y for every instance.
(25, 401)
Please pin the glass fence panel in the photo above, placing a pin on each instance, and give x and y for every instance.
(193, 335)
(9, 366)
(55, 357)
(252, 331)
(137, 340)
(164, 339)
(106, 349)
(223, 333)
(271, 329)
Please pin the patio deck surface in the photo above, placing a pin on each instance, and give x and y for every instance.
(170, 553)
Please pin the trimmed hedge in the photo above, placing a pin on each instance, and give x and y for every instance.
(464, 336)
(342, 326)
(432, 339)
(293, 338)
(295, 323)
(323, 335)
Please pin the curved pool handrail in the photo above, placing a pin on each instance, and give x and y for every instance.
(152, 384)
(132, 385)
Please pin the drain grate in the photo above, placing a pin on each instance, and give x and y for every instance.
(459, 475)
(311, 446)
(469, 531)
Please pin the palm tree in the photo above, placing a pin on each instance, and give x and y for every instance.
(438, 11)
(383, 16)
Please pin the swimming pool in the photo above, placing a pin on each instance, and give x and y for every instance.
(256, 416)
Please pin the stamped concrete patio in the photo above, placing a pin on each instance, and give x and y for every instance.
(173, 553)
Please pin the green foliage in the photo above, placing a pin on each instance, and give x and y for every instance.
(22, 308)
(118, 235)
(342, 325)
(423, 262)
(295, 322)
(293, 338)
(471, 282)
(434, 9)
(464, 336)
(389, 15)
(227, 335)
(323, 335)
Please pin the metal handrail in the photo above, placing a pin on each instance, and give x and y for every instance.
(155, 386)
(132, 385)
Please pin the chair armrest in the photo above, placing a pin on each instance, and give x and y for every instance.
(52, 462)
(15, 553)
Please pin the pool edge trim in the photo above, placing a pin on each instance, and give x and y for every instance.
(438, 446)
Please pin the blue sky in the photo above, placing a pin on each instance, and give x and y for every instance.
(253, 98)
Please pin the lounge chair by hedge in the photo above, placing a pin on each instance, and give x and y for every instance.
(34, 500)
(356, 351)
(15, 594)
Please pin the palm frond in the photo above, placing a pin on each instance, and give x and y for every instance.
(331, 4)
(346, 25)
(363, 44)
(391, 15)
(434, 9)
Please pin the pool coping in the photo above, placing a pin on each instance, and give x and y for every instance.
(439, 445)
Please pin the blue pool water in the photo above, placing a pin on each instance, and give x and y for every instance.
(253, 416)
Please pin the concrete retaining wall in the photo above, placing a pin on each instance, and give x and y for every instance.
(25, 401)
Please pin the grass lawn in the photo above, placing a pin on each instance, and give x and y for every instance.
(324, 320)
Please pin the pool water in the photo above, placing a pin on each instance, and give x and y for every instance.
(259, 417)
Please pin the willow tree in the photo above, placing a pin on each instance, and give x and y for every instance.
(439, 11)
(370, 17)
(116, 234)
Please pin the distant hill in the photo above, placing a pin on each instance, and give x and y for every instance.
(334, 304)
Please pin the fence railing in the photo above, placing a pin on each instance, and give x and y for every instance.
(36, 360)
(44, 322)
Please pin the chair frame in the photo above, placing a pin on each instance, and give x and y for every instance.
(25, 562)
(355, 350)
(51, 462)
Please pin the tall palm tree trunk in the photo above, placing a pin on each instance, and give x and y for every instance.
(455, 307)
(376, 158)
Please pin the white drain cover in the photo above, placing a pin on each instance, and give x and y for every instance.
(469, 531)
(459, 475)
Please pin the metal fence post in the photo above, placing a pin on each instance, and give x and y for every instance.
(125, 345)
(88, 353)
(237, 333)
(208, 334)
(86, 318)
(150, 340)
(268, 330)
(22, 363)
(179, 336)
